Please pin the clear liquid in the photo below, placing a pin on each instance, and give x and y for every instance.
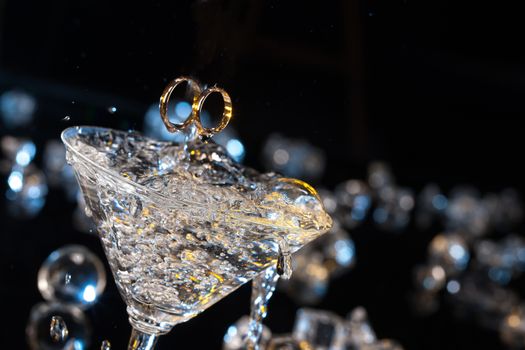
(182, 232)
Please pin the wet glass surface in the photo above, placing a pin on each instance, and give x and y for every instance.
(428, 87)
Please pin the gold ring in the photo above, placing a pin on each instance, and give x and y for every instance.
(165, 97)
(226, 115)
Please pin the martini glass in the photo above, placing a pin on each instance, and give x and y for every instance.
(183, 225)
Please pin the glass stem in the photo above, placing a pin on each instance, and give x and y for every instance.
(142, 341)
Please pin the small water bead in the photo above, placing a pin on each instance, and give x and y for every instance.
(72, 274)
(112, 109)
(43, 335)
(106, 345)
(58, 329)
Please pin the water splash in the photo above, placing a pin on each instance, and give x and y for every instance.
(263, 287)
(58, 329)
(106, 345)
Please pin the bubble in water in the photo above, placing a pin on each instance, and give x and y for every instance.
(106, 345)
(72, 274)
(112, 109)
(41, 334)
(58, 329)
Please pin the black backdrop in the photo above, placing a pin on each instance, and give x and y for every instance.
(432, 87)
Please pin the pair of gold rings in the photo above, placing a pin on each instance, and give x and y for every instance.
(199, 97)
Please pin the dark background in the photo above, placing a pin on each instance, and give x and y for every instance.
(433, 87)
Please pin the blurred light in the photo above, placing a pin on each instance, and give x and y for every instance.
(439, 202)
(236, 149)
(453, 286)
(183, 109)
(457, 252)
(281, 157)
(25, 154)
(500, 275)
(345, 252)
(380, 215)
(16, 181)
(17, 108)
(89, 294)
(78, 344)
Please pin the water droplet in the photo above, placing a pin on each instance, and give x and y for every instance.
(38, 327)
(284, 261)
(72, 274)
(58, 329)
(106, 345)
(66, 118)
(112, 109)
